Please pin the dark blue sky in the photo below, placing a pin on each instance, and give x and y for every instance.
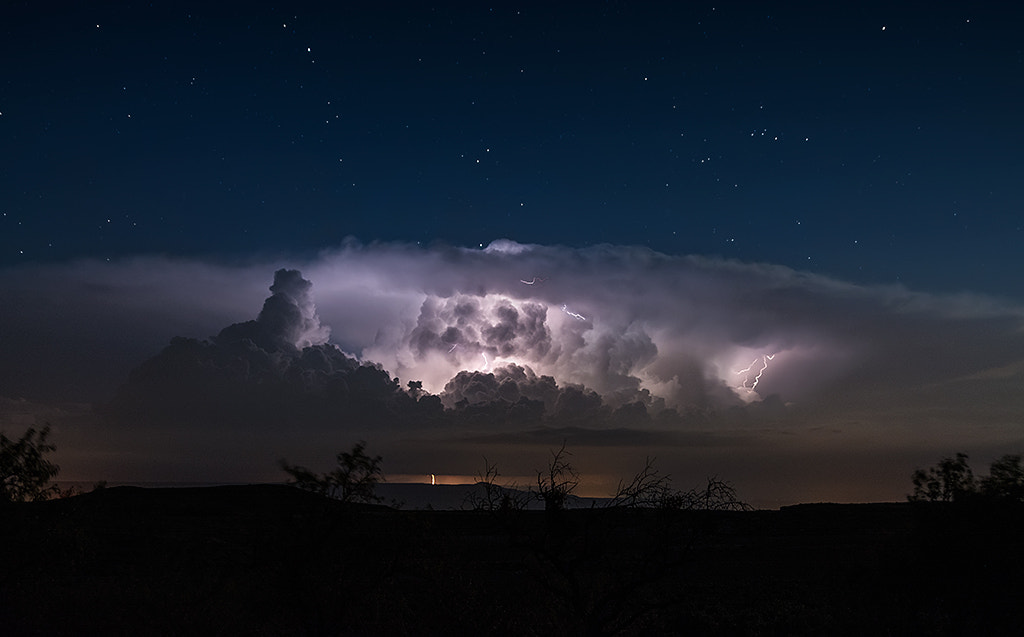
(874, 142)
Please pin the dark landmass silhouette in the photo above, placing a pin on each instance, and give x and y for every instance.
(271, 559)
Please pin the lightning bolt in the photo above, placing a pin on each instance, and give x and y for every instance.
(757, 379)
(760, 372)
(532, 281)
(453, 348)
(746, 369)
(578, 317)
(487, 363)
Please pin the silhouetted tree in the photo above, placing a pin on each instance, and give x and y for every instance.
(947, 481)
(1005, 480)
(597, 578)
(558, 482)
(491, 496)
(354, 479)
(652, 489)
(24, 473)
(717, 495)
(648, 488)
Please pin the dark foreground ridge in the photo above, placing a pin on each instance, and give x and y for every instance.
(273, 560)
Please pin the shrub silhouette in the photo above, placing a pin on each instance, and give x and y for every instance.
(952, 480)
(354, 479)
(491, 496)
(24, 473)
(557, 483)
(650, 488)
(949, 480)
(594, 574)
(1005, 480)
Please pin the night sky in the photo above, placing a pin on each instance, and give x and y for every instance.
(702, 184)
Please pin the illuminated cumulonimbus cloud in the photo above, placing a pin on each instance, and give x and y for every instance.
(499, 359)
(288, 319)
(656, 327)
(627, 323)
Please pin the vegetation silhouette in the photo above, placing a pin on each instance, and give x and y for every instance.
(965, 547)
(353, 480)
(595, 576)
(652, 559)
(650, 488)
(558, 481)
(1005, 480)
(952, 480)
(949, 480)
(25, 473)
(489, 496)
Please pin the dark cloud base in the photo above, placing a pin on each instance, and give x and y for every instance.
(270, 372)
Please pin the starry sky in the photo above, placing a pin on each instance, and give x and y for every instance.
(876, 142)
(636, 201)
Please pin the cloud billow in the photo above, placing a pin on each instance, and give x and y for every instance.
(276, 370)
(512, 337)
(288, 320)
(279, 370)
(738, 369)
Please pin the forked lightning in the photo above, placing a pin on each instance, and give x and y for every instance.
(760, 372)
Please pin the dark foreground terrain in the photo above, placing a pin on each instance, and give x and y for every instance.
(272, 560)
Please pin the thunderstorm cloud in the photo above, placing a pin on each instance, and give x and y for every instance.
(498, 346)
